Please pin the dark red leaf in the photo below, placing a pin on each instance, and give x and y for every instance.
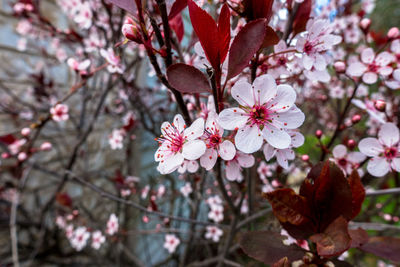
(267, 246)
(224, 31)
(328, 194)
(127, 5)
(187, 79)
(177, 25)
(7, 139)
(358, 237)
(64, 199)
(207, 31)
(334, 240)
(271, 38)
(357, 192)
(292, 211)
(386, 247)
(176, 8)
(247, 42)
(301, 17)
(257, 9)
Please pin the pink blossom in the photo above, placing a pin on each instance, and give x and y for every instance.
(215, 144)
(347, 161)
(284, 155)
(178, 143)
(266, 112)
(59, 112)
(113, 60)
(317, 40)
(79, 238)
(186, 189)
(97, 239)
(213, 233)
(112, 225)
(116, 139)
(216, 213)
(191, 166)
(371, 65)
(385, 151)
(78, 66)
(171, 243)
(234, 167)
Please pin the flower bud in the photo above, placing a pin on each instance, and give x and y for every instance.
(380, 105)
(45, 146)
(356, 118)
(339, 66)
(131, 32)
(351, 144)
(365, 23)
(22, 156)
(318, 133)
(305, 157)
(393, 33)
(25, 131)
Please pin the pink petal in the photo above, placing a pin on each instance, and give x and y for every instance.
(284, 100)
(378, 167)
(264, 88)
(232, 118)
(389, 134)
(242, 92)
(208, 160)
(370, 77)
(248, 139)
(339, 151)
(195, 130)
(193, 149)
(277, 138)
(370, 147)
(227, 150)
(367, 55)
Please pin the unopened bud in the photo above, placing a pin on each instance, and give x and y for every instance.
(340, 66)
(305, 157)
(130, 32)
(318, 133)
(393, 33)
(25, 131)
(351, 143)
(380, 105)
(22, 156)
(356, 118)
(45, 146)
(365, 23)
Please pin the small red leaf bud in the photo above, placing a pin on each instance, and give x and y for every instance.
(318, 133)
(351, 144)
(356, 118)
(380, 105)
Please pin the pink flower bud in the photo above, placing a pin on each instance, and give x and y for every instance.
(5, 155)
(393, 33)
(351, 144)
(22, 156)
(356, 118)
(380, 105)
(45, 146)
(130, 32)
(340, 66)
(365, 23)
(305, 157)
(25, 131)
(318, 133)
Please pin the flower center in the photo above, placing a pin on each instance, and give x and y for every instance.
(372, 67)
(308, 47)
(282, 61)
(342, 162)
(390, 153)
(259, 115)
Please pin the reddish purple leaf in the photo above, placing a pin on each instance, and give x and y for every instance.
(292, 211)
(176, 8)
(224, 30)
(187, 79)
(271, 38)
(334, 240)
(177, 25)
(245, 45)
(328, 193)
(207, 31)
(386, 247)
(267, 246)
(357, 192)
(127, 5)
(257, 9)
(7, 139)
(284, 262)
(301, 17)
(358, 237)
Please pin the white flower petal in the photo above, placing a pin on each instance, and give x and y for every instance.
(264, 88)
(208, 160)
(384, 58)
(242, 92)
(170, 163)
(396, 164)
(367, 55)
(284, 100)
(389, 134)
(227, 150)
(245, 160)
(356, 157)
(277, 138)
(232, 170)
(232, 118)
(193, 149)
(248, 139)
(297, 139)
(370, 147)
(179, 123)
(378, 167)
(269, 152)
(339, 151)
(356, 69)
(370, 77)
(291, 119)
(195, 130)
